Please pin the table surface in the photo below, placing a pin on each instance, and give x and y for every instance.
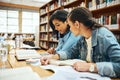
(13, 63)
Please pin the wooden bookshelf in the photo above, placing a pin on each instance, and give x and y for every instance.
(98, 10)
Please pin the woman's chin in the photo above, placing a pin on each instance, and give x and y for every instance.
(61, 32)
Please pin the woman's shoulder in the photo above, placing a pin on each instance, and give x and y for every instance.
(104, 31)
(71, 34)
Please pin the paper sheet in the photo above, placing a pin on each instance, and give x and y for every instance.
(22, 73)
(68, 73)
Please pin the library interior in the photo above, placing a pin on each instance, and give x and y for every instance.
(54, 39)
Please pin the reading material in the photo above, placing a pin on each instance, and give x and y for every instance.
(63, 70)
(22, 73)
(68, 62)
(30, 47)
(68, 73)
(26, 54)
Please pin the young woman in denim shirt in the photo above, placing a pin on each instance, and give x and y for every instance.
(98, 46)
(62, 30)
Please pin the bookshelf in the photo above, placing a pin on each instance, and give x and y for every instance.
(101, 9)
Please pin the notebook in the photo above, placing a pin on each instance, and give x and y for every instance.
(26, 54)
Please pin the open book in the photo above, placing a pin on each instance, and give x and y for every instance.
(68, 73)
(55, 65)
(26, 54)
(22, 73)
(30, 47)
(68, 62)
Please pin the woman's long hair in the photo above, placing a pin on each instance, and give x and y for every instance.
(60, 15)
(84, 16)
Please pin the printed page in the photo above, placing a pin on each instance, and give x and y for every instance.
(69, 62)
(63, 75)
(55, 68)
(14, 71)
(27, 54)
(24, 76)
(65, 72)
(22, 73)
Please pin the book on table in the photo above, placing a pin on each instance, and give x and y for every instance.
(27, 54)
(68, 62)
(21, 73)
(55, 65)
(63, 70)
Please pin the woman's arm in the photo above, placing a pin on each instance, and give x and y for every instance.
(45, 59)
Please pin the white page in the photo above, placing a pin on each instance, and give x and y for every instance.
(27, 54)
(14, 71)
(62, 75)
(68, 62)
(22, 73)
(68, 73)
(24, 76)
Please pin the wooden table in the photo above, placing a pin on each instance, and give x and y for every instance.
(13, 63)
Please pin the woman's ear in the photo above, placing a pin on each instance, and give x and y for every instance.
(77, 24)
(66, 22)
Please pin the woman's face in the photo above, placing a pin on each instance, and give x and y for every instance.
(74, 27)
(60, 26)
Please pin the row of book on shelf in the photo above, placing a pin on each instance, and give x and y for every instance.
(44, 36)
(52, 37)
(44, 19)
(92, 4)
(63, 3)
(44, 28)
(52, 44)
(56, 5)
(45, 45)
(96, 4)
(111, 21)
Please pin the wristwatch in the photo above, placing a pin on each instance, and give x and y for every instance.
(91, 68)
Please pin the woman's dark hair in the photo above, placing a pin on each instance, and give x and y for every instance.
(84, 16)
(60, 15)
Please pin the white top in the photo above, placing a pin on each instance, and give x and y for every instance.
(89, 45)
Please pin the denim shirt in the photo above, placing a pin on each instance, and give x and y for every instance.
(105, 52)
(67, 41)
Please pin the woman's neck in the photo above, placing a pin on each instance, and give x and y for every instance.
(67, 31)
(87, 33)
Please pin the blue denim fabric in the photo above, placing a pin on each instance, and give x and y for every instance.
(105, 52)
(2, 38)
(67, 41)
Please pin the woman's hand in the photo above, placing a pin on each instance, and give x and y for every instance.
(81, 66)
(45, 59)
(51, 50)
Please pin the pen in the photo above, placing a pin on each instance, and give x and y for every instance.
(88, 78)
